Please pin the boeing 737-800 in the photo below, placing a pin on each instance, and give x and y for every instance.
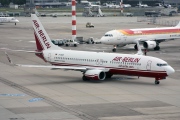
(95, 65)
(8, 20)
(149, 37)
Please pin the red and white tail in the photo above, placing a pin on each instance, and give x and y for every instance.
(43, 41)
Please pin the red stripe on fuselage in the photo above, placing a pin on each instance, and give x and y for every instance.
(155, 31)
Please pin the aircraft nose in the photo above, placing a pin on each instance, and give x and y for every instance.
(17, 21)
(103, 40)
(170, 70)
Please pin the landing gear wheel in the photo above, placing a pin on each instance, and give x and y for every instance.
(157, 48)
(109, 75)
(67, 45)
(157, 82)
(75, 45)
(135, 46)
(84, 78)
(114, 49)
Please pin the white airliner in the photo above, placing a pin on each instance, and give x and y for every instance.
(8, 20)
(95, 65)
(149, 37)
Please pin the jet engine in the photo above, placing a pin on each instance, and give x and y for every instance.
(149, 44)
(95, 74)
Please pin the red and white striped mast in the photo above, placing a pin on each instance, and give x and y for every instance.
(121, 6)
(73, 19)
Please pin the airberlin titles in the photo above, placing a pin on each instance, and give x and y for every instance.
(40, 32)
(126, 59)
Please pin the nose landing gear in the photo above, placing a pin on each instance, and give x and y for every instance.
(114, 49)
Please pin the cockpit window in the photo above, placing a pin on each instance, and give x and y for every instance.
(159, 64)
(108, 35)
(13, 19)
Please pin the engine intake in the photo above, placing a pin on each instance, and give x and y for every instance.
(95, 74)
(149, 44)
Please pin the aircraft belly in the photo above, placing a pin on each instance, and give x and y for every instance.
(142, 73)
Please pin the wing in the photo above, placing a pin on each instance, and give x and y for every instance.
(141, 40)
(54, 67)
(83, 68)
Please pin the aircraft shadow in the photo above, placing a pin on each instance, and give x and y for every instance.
(128, 80)
(69, 80)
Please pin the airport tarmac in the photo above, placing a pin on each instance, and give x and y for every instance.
(43, 94)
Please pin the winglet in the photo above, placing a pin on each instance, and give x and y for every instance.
(139, 49)
(10, 61)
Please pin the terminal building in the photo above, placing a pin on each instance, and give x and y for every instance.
(57, 3)
(47, 3)
(151, 2)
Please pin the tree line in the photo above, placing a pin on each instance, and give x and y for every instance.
(7, 2)
(21, 2)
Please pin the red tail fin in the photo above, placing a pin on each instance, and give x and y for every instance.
(43, 42)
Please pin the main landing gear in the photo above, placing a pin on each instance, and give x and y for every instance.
(114, 49)
(157, 82)
(157, 48)
(108, 75)
(84, 78)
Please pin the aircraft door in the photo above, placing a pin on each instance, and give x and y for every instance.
(123, 38)
(118, 36)
(49, 57)
(148, 66)
(99, 62)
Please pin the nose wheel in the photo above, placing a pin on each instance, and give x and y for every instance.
(114, 49)
(157, 82)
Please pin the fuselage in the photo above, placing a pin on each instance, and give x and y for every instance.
(130, 36)
(8, 20)
(126, 64)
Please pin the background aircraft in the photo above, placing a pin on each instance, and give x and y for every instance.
(8, 20)
(95, 65)
(142, 5)
(149, 37)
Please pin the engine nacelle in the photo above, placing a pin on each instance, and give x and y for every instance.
(149, 44)
(95, 74)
